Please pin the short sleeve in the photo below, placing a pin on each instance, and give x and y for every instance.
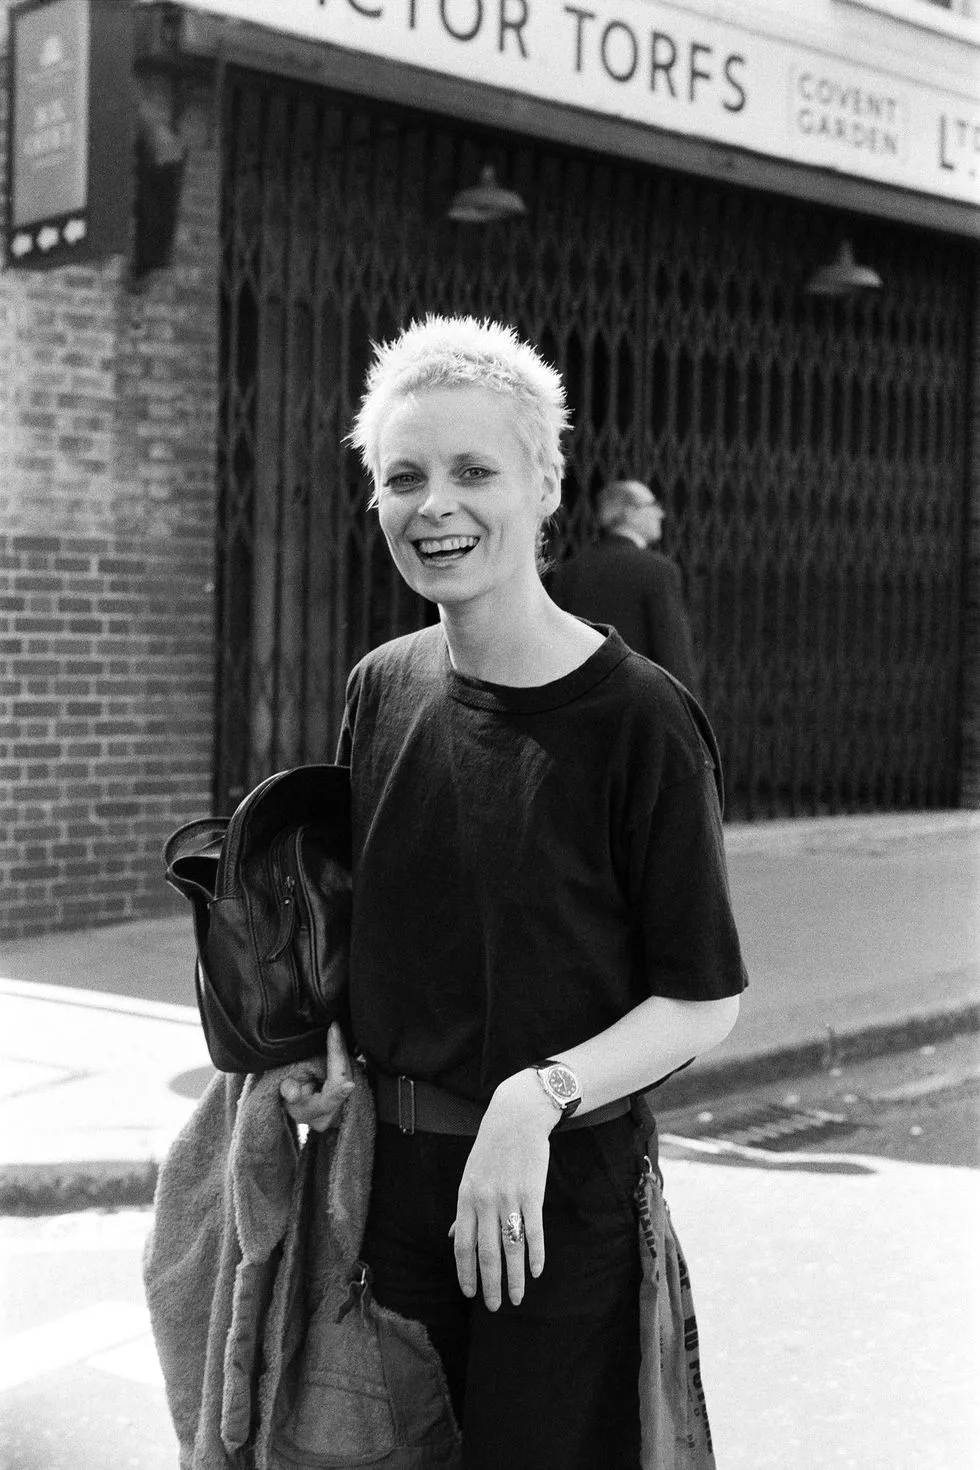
(680, 895)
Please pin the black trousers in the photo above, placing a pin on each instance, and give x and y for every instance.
(554, 1380)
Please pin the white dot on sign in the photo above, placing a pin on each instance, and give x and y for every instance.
(705, 1117)
(915, 1131)
(837, 1071)
(927, 1051)
(791, 1099)
(849, 1097)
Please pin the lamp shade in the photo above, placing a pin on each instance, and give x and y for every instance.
(843, 277)
(485, 201)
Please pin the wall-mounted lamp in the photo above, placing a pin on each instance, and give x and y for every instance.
(485, 201)
(843, 277)
(161, 157)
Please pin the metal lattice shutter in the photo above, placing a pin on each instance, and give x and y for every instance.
(812, 454)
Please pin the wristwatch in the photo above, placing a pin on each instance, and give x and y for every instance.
(561, 1085)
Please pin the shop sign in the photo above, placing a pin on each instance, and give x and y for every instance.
(667, 66)
(69, 105)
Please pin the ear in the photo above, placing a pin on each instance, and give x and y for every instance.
(550, 492)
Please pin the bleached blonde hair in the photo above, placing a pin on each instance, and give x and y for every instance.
(458, 352)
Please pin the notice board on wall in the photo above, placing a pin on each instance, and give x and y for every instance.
(70, 124)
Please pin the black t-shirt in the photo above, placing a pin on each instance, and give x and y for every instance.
(529, 864)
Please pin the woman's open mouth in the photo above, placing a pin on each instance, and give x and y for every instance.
(444, 550)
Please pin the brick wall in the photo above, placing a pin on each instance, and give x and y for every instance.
(107, 441)
(970, 727)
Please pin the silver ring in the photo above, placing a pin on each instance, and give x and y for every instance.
(513, 1228)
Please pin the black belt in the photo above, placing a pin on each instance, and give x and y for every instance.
(420, 1106)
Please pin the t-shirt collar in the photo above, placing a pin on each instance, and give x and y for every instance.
(532, 699)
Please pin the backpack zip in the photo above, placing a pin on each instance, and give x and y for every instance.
(285, 888)
(228, 860)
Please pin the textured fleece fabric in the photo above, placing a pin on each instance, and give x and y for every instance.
(274, 1360)
(272, 1357)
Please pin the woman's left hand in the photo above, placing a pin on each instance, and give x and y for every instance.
(319, 1107)
(505, 1175)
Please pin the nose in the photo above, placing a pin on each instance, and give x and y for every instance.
(440, 498)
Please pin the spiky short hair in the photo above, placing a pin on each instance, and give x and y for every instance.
(458, 352)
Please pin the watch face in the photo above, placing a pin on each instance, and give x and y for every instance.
(562, 1082)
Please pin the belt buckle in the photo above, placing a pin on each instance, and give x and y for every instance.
(406, 1104)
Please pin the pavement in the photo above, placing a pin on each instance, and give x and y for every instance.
(861, 936)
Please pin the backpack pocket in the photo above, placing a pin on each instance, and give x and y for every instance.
(310, 943)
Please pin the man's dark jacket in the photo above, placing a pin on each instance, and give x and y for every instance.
(640, 592)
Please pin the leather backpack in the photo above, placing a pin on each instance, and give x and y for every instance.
(270, 889)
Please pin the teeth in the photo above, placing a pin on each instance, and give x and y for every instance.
(447, 543)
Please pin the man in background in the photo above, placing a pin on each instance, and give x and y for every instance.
(621, 579)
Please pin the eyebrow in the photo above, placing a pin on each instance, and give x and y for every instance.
(464, 456)
(467, 454)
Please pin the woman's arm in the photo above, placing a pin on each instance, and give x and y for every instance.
(508, 1165)
(656, 1038)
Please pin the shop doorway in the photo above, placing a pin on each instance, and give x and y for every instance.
(812, 454)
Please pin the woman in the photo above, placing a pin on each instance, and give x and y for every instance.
(541, 915)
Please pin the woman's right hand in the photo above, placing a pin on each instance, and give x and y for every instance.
(505, 1175)
(319, 1107)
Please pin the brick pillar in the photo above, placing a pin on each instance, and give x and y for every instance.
(108, 393)
(970, 720)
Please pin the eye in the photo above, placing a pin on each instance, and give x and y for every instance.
(401, 480)
(476, 472)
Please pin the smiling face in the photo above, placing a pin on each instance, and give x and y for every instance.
(460, 499)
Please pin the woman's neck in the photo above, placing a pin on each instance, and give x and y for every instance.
(528, 643)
